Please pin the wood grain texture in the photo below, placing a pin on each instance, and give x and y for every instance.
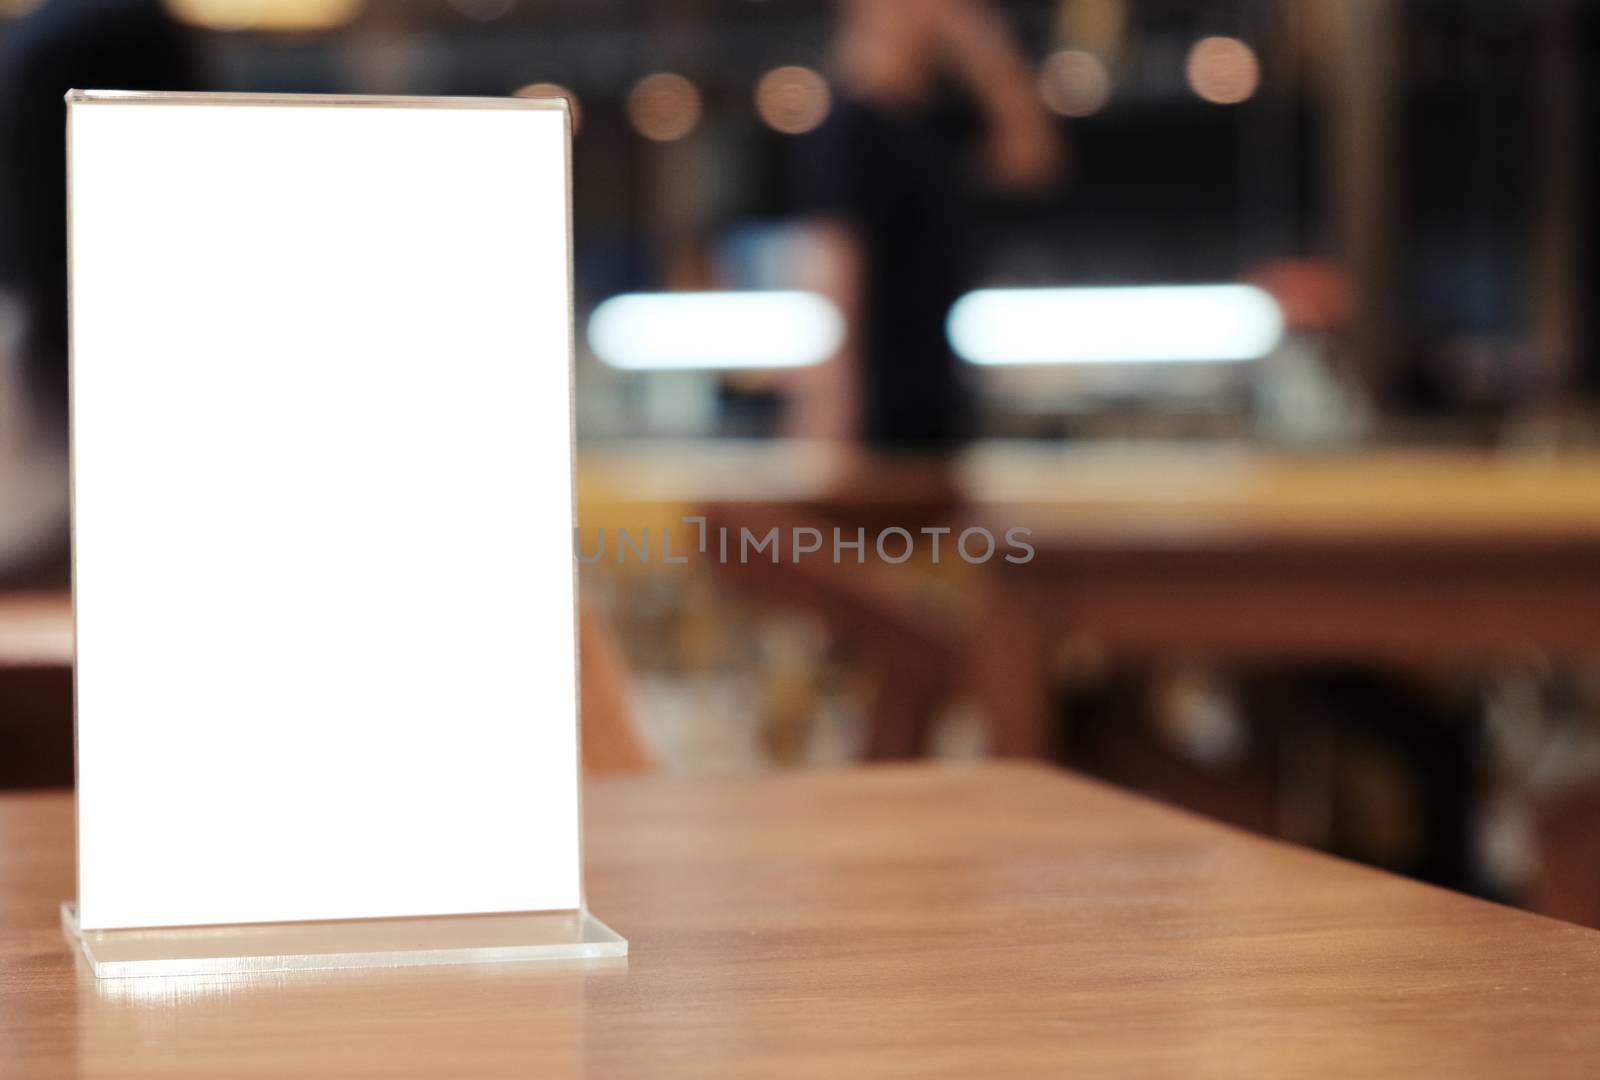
(909, 920)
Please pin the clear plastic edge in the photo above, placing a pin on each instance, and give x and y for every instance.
(343, 945)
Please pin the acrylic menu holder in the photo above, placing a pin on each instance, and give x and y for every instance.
(358, 943)
(324, 593)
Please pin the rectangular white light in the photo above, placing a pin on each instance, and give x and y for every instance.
(715, 330)
(1133, 324)
(323, 509)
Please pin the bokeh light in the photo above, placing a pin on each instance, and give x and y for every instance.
(792, 99)
(1074, 83)
(664, 107)
(1223, 70)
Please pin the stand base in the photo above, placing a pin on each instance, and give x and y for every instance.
(354, 943)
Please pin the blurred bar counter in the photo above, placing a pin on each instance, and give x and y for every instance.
(1407, 555)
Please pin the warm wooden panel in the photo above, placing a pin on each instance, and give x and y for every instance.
(896, 921)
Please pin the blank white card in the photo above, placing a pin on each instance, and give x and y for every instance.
(322, 509)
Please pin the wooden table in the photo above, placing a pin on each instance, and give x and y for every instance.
(902, 920)
(1209, 551)
(1446, 558)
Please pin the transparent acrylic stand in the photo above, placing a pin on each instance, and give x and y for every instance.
(354, 943)
(529, 807)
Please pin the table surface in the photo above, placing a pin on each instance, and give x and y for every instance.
(1096, 492)
(908, 920)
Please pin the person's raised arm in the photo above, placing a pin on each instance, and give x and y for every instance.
(1025, 149)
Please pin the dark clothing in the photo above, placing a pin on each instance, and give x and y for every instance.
(898, 177)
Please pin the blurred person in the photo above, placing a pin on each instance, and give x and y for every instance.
(935, 104)
(87, 44)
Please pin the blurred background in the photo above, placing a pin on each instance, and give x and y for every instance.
(1271, 321)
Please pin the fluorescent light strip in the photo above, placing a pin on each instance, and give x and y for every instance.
(1135, 324)
(715, 330)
